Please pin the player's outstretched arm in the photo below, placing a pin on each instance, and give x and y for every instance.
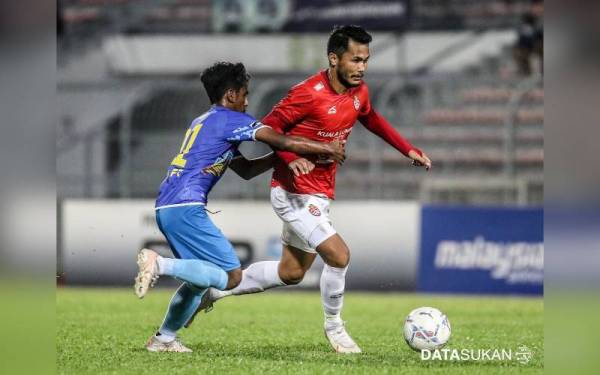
(250, 168)
(378, 125)
(300, 145)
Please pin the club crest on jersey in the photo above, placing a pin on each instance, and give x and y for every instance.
(314, 210)
(356, 103)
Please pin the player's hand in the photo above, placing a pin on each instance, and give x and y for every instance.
(338, 151)
(419, 160)
(301, 166)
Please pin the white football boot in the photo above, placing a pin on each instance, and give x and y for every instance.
(340, 340)
(206, 304)
(148, 271)
(155, 345)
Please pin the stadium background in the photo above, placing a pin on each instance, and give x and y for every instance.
(442, 71)
(453, 76)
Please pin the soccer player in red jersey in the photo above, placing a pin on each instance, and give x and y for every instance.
(325, 108)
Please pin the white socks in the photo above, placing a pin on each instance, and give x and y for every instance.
(165, 265)
(333, 282)
(261, 276)
(165, 337)
(257, 278)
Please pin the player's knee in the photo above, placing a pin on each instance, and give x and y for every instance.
(292, 277)
(334, 252)
(340, 261)
(338, 258)
(234, 278)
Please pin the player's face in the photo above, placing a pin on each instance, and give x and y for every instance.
(352, 65)
(240, 99)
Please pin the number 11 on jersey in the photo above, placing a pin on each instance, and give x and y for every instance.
(188, 142)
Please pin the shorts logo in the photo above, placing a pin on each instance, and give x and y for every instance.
(314, 210)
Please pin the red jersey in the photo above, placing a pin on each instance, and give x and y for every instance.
(314, 110)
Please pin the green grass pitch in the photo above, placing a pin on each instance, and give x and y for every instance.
(104, 331)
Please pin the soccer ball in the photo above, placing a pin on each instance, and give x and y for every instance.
(426, 328)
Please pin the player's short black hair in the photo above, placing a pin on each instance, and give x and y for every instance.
(340, 35)
(222, 76)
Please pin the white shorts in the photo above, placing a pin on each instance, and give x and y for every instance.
(305, 218)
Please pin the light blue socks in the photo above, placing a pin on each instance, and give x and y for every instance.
(183, 304)
(199, 273)
(198, 276)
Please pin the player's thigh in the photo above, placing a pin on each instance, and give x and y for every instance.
(305, 217)
(294, 264)
(334, 251)
(192, 235)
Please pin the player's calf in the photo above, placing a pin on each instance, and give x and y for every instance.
(256, 278)
(336, 255)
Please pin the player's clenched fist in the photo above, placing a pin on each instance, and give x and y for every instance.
(301, 166)
(338, 151)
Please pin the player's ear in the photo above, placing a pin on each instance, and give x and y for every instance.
(230, 95)
(333, 59)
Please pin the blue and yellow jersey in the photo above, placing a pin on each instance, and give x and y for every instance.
(210, 143)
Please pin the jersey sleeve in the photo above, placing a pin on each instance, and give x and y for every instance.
(378, 125)
(240, 127)
(290, 110)
(287, 113)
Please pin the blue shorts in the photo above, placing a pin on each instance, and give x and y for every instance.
(192, 235)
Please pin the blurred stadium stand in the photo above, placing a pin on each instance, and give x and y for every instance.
(457, 96)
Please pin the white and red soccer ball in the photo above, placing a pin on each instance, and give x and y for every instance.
(426, 328)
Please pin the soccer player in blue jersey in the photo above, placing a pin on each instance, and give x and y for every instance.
(203, 256)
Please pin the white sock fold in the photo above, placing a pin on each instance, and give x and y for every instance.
(333, 283)
(165, 265)
(257, 278)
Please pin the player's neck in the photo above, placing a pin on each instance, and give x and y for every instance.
(335, 83)
(225, 104)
